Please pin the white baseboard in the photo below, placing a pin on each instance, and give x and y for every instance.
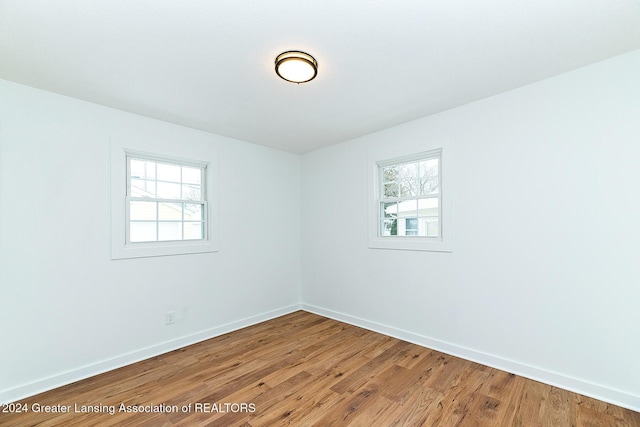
(576, 385)
(597, 391)
(21, 392)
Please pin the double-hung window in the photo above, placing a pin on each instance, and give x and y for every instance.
(163, 203)
(165, 200)
(410, 201)
(409, 196)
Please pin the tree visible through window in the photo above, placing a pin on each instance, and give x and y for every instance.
(409, 196)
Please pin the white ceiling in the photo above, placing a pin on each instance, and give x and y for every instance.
(209, 65)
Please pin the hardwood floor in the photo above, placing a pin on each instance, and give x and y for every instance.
(305, 370)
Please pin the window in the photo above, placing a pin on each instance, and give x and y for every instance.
(411, 200)
(409, 196)
(165, 200)
(162, 203)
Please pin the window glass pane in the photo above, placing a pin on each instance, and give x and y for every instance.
(428, 186)
(142, 231)
(428, 207)
(408, 188)
(389, 210)
(142, 188)
(193, 230)
(169, 231)
(168, 172)
(142, 210)
(143, 169)
(389, 174)
(429, 168)
(170, 211)
(429, 227)
(191, 192)
(407, 208)
(168, 190)
(409, 171)
(193, 212)
(191, 175)
(390, 190)
(389, 227)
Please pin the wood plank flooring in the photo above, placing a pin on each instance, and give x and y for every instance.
(306, 370)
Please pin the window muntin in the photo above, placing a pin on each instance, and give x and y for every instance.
(165, 200)
(409, 196)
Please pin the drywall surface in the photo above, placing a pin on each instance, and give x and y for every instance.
(67, 309)
(544, 275)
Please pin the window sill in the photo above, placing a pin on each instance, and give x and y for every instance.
(142, 250)
(410, 244)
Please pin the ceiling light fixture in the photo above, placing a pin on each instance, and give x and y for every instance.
(296, 67)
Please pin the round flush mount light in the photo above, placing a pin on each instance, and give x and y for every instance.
(296, 67)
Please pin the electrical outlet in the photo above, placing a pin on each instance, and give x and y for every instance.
(170, 317)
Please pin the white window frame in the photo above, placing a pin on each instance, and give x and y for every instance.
(134, 155)
(121, 248)
(444, 241)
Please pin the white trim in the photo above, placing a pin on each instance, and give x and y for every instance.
(68, 377)
(119, 248)
(392, 155)
(566, 382)
(425, 155)
(171, 160)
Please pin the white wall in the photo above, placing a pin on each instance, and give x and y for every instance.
(68, 310)
(544, 279)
